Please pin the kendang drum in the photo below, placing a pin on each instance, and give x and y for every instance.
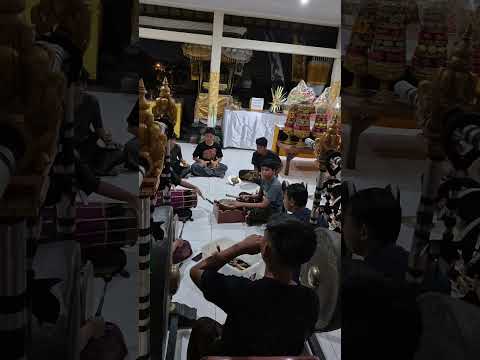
(180, 199)
(97, 224)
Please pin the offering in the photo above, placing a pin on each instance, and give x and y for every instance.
(431, 51)
(301, 94)
(321, 107)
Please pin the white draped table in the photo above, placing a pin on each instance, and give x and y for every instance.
(242, 127)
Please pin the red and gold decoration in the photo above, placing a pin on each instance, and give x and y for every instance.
(387, 55)
(289, 124)
(431, 51)
(322, 105)
(356, 58)
(301, 128)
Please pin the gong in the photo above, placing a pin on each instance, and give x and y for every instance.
(322, 274)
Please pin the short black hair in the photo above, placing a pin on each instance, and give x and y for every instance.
(379, 211)
(271, 164)
(298, 193)
(262, 142)
(293, 242)
(209, 130)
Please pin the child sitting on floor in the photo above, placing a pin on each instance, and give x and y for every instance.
(271, 196)
(208, 156)
(258, 157)
(179, 165)
(295, 200)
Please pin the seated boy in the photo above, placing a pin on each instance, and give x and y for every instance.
(208, 156)
(295, 200)
(88, 129)
(270, 316)
(372, 222)
(271, 196)
(258, 157)
(179, 165)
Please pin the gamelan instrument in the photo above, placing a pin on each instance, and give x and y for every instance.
(180, 199)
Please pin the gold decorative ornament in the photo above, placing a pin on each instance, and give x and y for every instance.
(278, 99)
(153, 141)
(301, 128)
(32, 95)
(213, 97)
(165, 105)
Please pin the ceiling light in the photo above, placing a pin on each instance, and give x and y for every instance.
(304, 2)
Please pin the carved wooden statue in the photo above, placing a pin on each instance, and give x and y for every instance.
(165, 107)
(32, 94)
(153, 142)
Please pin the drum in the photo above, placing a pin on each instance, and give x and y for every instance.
(97, 224)
(179, 199)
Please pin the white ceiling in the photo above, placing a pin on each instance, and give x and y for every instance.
(323, 12)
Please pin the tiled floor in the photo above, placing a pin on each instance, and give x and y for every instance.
(373, 169)
(120, 304)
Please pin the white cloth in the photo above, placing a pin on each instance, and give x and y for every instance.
(242, 127)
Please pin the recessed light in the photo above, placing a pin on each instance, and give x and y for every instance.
(304, 2)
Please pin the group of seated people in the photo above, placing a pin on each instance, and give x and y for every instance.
(271, 200)
(274, 315)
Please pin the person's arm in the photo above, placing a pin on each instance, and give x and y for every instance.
(196, 155)
(117, 193)
(179, 152)
(187, 185)
(97, 121)
(255, 162)
(250, 245)
(219, 153)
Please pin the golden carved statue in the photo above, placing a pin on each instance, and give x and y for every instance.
(165, 105)
(328, 141)
(38, 104)
(153, 142)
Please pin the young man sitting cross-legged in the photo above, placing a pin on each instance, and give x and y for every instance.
(208, 156)
(271, 196)
(271, 316)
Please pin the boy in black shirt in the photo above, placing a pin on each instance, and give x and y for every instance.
(208, 156)
(258, 158)
(271, 316)
(371, 227)
(295, 201)
(88, 129)
(179, 165)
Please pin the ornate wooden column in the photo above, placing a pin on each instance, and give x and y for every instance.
(215, 63)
